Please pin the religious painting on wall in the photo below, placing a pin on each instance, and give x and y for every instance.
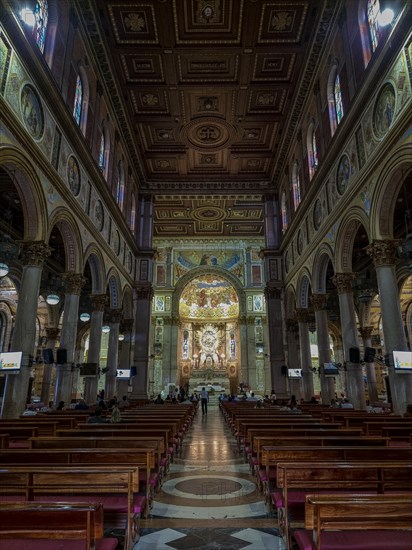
(231, 260)
(73, 175)
(209, 297)
(384, 110)
(32, 111)
(160, 275)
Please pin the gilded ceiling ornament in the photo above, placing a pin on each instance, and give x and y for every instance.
(281, 21)
(134, 22)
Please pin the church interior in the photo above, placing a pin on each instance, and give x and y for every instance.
(206, 196)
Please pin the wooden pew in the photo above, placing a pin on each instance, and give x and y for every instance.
(43, 427)
(296, 479)
(107, 484)
(104, 442)
(271, 456)
(43, 526)
(143, 458)
(351, 522)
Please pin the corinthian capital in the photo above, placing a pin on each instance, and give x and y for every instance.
(273, 293)
(383, 252)
(365, 332)
(35, 252)
(343, 282)
(144, 292)
(74, 282)
(319, 301)
(291, 325)
(302, 315)
(98, 301)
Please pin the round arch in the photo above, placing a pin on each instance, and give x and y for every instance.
(290, 302)
(346, 237)
(29, 188)
(320, 265)
(302, 289)
(95, 259)
(113, 284)
(127, 302)
(66, 224)
(390, 181)
(206, 270)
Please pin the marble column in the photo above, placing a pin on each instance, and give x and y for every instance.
(244, 374)
(51, 333)
(64, 377)
(327, 385)
(292, 335)
(384, 256)
(24, 333)
(354, 375)
(98, 302)
(144, 296)
(112, 353)
(125, 348)
(366, 333)
(273, 296)
(302, 316)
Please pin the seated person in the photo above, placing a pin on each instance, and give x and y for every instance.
(159, 400)
(97, 418)
(124, 402)
(81, 405)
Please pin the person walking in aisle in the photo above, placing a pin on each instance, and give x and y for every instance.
(204, 399)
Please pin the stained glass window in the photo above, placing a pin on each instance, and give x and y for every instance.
(101, 154)
(315, 159)
(296, 187)
(133, 215)
(284, 212)
(41, 16)
(78, 100)
(120, 186)
(373, 11)
(337, 93)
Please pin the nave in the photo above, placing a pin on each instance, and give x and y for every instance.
(209, 500)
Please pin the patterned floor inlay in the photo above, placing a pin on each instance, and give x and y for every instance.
(210, 539)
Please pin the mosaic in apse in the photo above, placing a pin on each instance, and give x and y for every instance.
(209, 297)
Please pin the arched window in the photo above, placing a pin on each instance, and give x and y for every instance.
(102, 158)
(120, 185)
(296, 186)
(133, 213)
(337, 92)
(313, 160)
(41, 17)
(78, 100)
(284, 212)
(373, 11)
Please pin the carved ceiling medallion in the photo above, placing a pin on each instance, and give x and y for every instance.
(208, 214)
(208, 133)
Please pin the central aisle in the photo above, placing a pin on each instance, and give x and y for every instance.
(209, 499)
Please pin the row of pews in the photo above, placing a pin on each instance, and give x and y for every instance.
(86, 478)
(335, 479)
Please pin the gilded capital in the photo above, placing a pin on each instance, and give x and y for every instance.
(98, 301)
(365, 332)
(35, 252)
(144, 292)
(383, 252)
(302, 315)
(74, 282)
(273, 293)
(319, 301)
(343, 282)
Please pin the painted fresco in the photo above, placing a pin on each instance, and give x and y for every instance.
(232, 261)
(209, 297)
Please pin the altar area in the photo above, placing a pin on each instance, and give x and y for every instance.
(213, 380)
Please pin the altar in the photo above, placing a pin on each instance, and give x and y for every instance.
(213, 380)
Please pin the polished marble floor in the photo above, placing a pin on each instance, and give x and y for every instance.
(209, 500)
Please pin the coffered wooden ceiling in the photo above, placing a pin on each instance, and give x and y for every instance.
(208, 94)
